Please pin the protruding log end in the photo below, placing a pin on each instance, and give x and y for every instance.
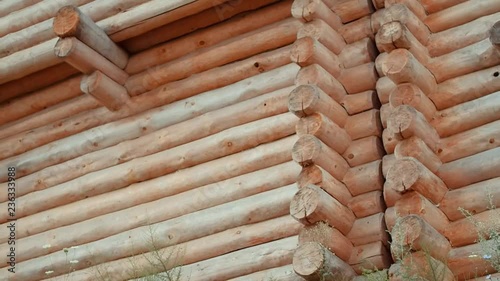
(66, 22)
(306, 149)
(312, 261)
(325, 129)
(301, 99)
(410, 94)
(64, 47)
(302, 50)
(105, 90)
(398, 62)
(403, 175)
(329, 237)
(495, 34)
(387, 35)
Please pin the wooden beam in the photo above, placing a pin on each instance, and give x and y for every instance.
(325, 34)
(357, 30)
(350, 78)
(324, 129)
(358, 53)
(363, 151)
(464, 260)
(367, 204)
(410, 94)
(421, 266)
(368, 230)
(364, 124)
(361, 102)
(373, 256)
(329, 237)
(468, 230)
(317, 75)
(311, 204)
(433, 6)
(105, 90)
(416, 148)
(308, 10)
(351, 10)
(307, 51)
(364, 178)
(85, 59)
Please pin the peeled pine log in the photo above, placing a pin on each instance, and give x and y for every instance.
(307, 51)
(414, 6)
(224, 143)
(416, 148)
(470, 142)
(324, 129)
(407, 173)
(233, 49)
(466, 88)
(350, 78)
(357, 30)
(495, 34)
(361, 102)
(332, 239)
(394, 35)
(384, 87)
(364, 178)
(408, 122)
(310, 150)
(308, 10)
(248, 161)
(206, 38)
(7, 7)
(317, 75)
(385, 111)
(390, 140)
(364, 124)
(311, 204)
(412, 203)
(349, 10)
(387, 162)
(228, 12)
(71, 22)
(402, 67)
(306, 100)
(363, 151)
(312, 261)
(283, 273)
(479, 167)
(421, 266)
(467, 115)
(474, 198)
(105, 90)
(412, 233)
(373, 256)
(83, 58)
(367, 204)
(410, 94)
(192, 226)
(461, 13)
(316, 175)
(325, 34)
(469, 230)
(433, 6)
(358, 53)
(368, 230)
(468, 262)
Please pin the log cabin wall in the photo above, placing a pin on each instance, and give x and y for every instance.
(248, 138)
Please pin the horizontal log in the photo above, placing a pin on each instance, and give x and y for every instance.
(412, 203)
(439, 43)
(318, 176)
(414, 6)
(367, 204)
(324, 33)
(495, 34)
(410, 94)
(283, 273)
(312, 261)
(470, 230)
(363, 151)
(479, 167)
(387, 162)
(71, 22)
(364, 124)
(252, 43)
(407, 173)
(379, 63)
(381, 274)
(384, 88)
(390, 140)
(401, 66)
(369, 230)
(309, 10)
(307, 51)
(466, 88)
(83, 58)
(391, 196)
(416, 148)
(311, 204)
(350, 10)
(412, 233)
(421, 266)
(199, 41)
(317, 75)
(358, 53)
(7, 7)
(350, 78)
(310, 150)
(208, 173)
(364, 178)
(433, 6)
(268, 205)
(468, 262)
(470, 142)
(461, 13)
(357, 30)
(360, 102)
(378, 4)
(385, 111)
(475, 198)
(373, 256)
(332, 239)
(105, 90)
(241, 73)
(229, 12)
(324, 129)
(305, 100)
(221, 144)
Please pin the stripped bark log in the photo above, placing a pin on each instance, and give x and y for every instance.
(416, 148)
(410, 94)
(324, 129)
(283, 273)
(421, 266)
(358, 53)
(364, 178)
(433, 6)
(325, 34)
(350, 10)
(373, 256)
(350, 78)
(317, 75)
(357, 30)
(471, 229)
(360, 102)
(307, 51)
(308, 10)
(387, 162)
(469, 259)
(332, 239)
(384, 88)
(367, 204)
(7, 7)
(105, 90)
(364, 124)
(369, 230)
(363, 151)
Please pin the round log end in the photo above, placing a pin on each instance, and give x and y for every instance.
(401, 119)
(309, 125)
(312, 29)
(310, 175)
(495, 34)
(305, 150)
(302, 98)
(407, 230)
(396, 62)
(406, 93)
(91, 82)
(388, 34)
(64, 47)
(302, 50)
(304, 203)
(66, 22)
(403, 174)
(308, 259)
